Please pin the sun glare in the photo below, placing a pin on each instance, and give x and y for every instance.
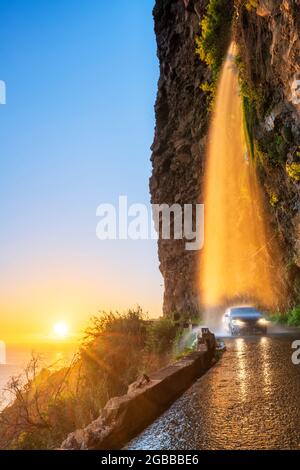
(61, 330)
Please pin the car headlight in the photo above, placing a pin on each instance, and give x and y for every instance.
(263, 321)
(238, 322)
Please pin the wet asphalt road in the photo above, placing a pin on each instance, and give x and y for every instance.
(249, 400)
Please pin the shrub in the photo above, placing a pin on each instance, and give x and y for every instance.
(113, 354)
(273, 145)
(29, 423)
(293, 170)
(278, 318)
(290, 318)
(187, 351)
(293, 317)
(33, 440)
(214, 38)
(117, 348)
(248, 90)
(161, 336)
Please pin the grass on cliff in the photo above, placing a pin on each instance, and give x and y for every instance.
(212, 43)
(290, 318)
(116, 350)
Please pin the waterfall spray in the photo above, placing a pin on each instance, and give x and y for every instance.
(240, 261)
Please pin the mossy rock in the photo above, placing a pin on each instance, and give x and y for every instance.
(287, 134)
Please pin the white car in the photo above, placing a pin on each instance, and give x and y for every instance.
(243, 320)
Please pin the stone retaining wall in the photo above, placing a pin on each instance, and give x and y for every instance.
(124, 417)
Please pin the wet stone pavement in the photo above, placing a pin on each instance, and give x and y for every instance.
(249, 400)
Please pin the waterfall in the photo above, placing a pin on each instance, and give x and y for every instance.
(240, 260)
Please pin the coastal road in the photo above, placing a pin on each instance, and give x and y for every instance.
(249, 400)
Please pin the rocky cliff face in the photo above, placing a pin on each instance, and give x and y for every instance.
(269, 43)
(267, 32)
(178, 149)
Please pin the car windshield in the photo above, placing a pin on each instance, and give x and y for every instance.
(245, 312)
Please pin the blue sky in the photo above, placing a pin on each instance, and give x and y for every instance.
(76, 130)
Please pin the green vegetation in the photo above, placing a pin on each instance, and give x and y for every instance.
(287, 134)
(185, 352)
(273, 199)
(248, 125)
(116, 350)
(290, 318)
(293, 170)
(251, 4)
(271, 146)
(252, 101)
(268, 146)
(161, 336)
(214, 39)
(274, 145)
(248, 90)
(270, 137)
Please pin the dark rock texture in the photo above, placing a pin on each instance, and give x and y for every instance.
(269, 43)
(178, 148)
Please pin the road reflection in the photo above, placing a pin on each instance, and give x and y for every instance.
(265, 344)
(242, 368)
(249, 400)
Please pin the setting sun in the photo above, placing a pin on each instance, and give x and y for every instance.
(61, 330)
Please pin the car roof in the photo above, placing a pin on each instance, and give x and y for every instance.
(249, 311)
